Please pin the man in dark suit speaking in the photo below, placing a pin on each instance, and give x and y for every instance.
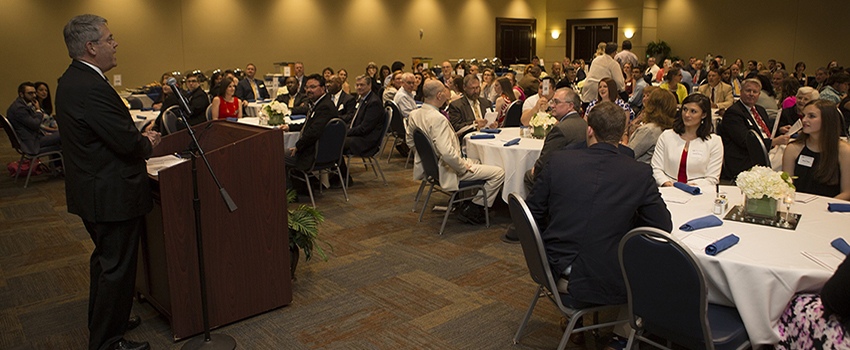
(106, 181)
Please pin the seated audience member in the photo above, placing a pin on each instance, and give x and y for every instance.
(603, 67)
(800, 73)
(215, 89)
(581, 74)
(638, 120)
(569, 80)
(689, 153)
(651, 69)
(814, 321)
(293, 97)
(699, 74)
(298, 70)
(487, 86)
(657, 116)
(673, 84)
(249, 88)
(636, 97)
(629, 80)
(344, 103)
(535, 103)
(571, 128)
(735, 80)
(557, 73)
(687, 78)
(776, 81)
(384, 75)
(666, 66)
(157, 102)
(792, 114)
(718, 92)
(453, 166)
(474, 69)
(322, 110)
(420, 82)
(198, 102)
(327, 73)
(585, 188)
(445, 72)
(404, 98)
(455, 85)
(503, 87)
(169, 99)
(226, 105)
(818, 158)
(391, 89)
(743, 116)
(26, 116)
(42, 93)
(820, 79)
(471, 108)
(607, 92)
(788, 88)
(767, 97)
(364, 130)
(372, 73)
(343, 75)
(837, 86)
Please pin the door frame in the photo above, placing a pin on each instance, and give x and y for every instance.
(515, 21)
(571, 23)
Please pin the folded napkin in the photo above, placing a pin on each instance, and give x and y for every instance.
(839, 207)
(147, 109)
(232, 119)
(141, 117)
(483, 136)
(687, 188)
(251, 100)
(842, 246)
(297, 116)
(491, 131)
(703, 222)
(721, 244)
(512, 142)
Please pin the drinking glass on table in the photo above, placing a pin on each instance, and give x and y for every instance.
(788, 200)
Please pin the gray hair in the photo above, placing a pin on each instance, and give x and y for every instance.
(81, 30)
(753, 81)
(571, 96)
(469, 78)
(808, 90)
(407, 75)
(365, 77)
(432, 88)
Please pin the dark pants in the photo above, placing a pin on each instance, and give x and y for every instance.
(113, 278)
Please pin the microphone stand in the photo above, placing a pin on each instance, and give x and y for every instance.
(209, 341)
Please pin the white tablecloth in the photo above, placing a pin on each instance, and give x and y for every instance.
(289, 137)
(140, 118)
(761, 273)
(516, 160)
(253, 108)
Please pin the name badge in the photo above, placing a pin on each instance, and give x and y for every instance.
(696, 153)
(806, 161)
(340, 107)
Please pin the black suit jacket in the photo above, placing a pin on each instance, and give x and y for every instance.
(198, 103)
(346, 105)
(106, 178)
(245, 92)
(311, 131)
(572, 129)
(365, 134)
(590, 206)
(737, 122)
(27, 124)
(461, 114)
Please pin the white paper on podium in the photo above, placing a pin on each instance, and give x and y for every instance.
(156, 164)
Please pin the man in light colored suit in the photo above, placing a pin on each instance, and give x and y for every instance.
(471, 107)
(453, 166)
(717, 91)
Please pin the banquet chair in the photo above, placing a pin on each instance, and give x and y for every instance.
(328, 156)
(208, 113)
(430, 163)
(135, 102)
(514, 115)
(398, 130)
(54, 151)
(659, 270)
(541, 273)
(371, 159)
(757, 149)
(170, 119)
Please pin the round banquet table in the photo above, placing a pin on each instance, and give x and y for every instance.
(289, 137)
(762, 273)
(140, 118)
(516, 159)
(253, 109)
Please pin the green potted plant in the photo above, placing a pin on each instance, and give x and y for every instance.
(304, 223)
(660, 50)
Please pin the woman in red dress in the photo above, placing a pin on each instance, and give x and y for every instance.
(225, 105)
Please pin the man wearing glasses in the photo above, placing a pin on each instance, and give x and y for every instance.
(570, 129)
(198, 102)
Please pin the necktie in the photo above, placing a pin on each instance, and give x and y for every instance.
(476, 109)
(712, 95)
(737, 86)
(256, 91)
(291, 100)
(760, 122)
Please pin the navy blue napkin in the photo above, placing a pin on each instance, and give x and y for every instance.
(842, 246)
(483, 136)
(839, 207)
(141, 117)
(687, 188)
(703, 222)
(297, 116)
(251, 100)
(512, 142)
(146, 109)
(721, 244)
(491, 131)
(232, 119)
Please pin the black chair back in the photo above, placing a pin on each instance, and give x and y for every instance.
(659, 270)
(397, 122)
(514, 115)
(329, 146)
(170, 120)
(135, 102)
(427, 155)
(532, 243)
(756, 149)
(10, 132)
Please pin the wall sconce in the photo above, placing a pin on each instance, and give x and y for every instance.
(556, 34)
(629, 33)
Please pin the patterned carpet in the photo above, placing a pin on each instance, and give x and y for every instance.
(390, 283)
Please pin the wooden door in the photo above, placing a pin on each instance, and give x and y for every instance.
(516, 40)
(585, 34)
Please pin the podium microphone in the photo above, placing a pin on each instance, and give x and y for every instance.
(181, 100)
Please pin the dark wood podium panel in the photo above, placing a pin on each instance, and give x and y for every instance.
(246, 251)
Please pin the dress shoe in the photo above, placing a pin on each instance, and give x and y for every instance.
(510, 236)
(125, 344)
(471, 213)
(133, 322)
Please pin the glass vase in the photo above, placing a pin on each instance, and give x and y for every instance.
(764, 207)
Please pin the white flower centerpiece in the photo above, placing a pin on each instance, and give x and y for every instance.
(763, 187)
(277, 113)
(542, 122)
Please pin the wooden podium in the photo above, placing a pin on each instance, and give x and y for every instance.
(246, 252)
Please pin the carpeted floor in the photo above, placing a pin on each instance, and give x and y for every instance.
(390, 283)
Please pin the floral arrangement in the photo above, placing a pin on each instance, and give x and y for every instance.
(542, 119)
(276, 112)
(761, 181)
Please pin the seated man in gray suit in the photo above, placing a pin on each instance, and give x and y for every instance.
(570, 129)
(470, 108)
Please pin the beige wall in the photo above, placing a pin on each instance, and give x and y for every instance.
(155, 36)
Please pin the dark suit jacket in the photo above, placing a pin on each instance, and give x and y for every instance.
(365, 134)
(461, 114)
(312, 130)
(299, 106)
(198, 103)
(788, 116)
(27, 124)
(571, 130)
(737, 122)
(590, 206)
(245, 92)
(106, 178)
(623, 149)
(346, 106)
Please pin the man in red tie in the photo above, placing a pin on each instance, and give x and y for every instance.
(738, 120)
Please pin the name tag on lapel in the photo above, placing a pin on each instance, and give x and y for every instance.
(806, 161)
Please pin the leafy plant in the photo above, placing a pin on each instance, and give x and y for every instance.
(660, 50)
(304, 223)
